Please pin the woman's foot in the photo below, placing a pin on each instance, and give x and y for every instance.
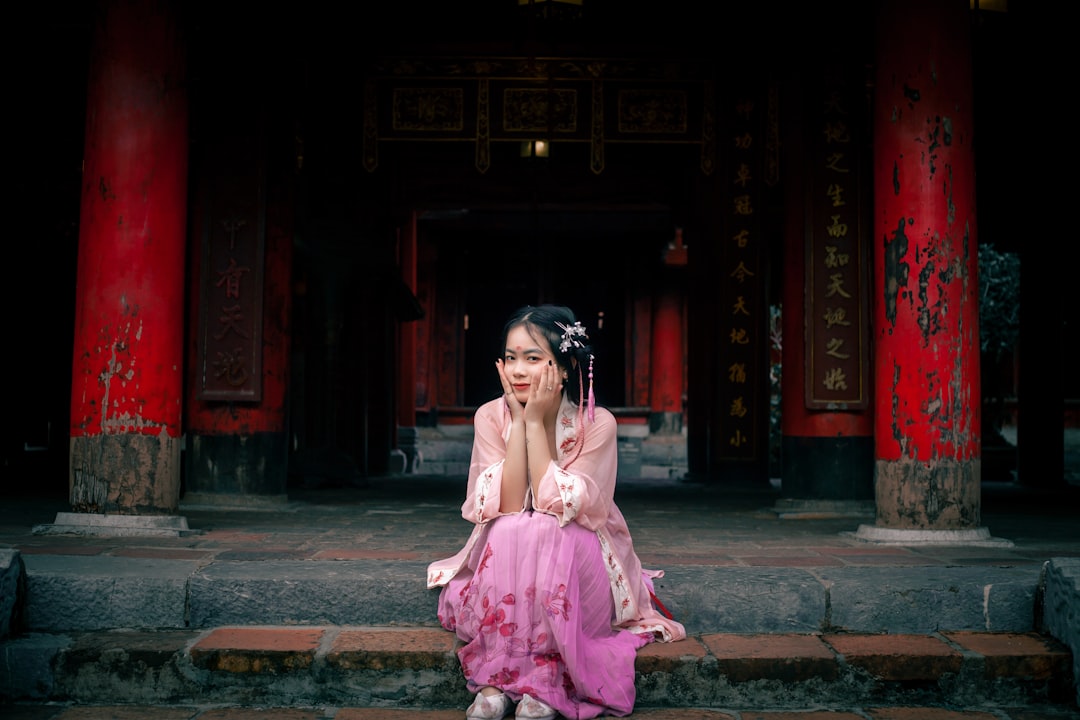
(532, 709)
(492, 705)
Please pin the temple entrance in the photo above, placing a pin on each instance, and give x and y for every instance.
(486, 264)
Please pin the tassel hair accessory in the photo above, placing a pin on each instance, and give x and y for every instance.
(574, 336)
(592, 398)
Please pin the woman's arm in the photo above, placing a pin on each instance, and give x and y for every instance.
(539, 440)
(483, 497)
(515, 469)
(541, 418)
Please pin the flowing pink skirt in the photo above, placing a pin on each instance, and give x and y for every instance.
(534, 609)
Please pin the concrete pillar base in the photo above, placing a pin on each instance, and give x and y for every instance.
(71, 523)
(977, 537)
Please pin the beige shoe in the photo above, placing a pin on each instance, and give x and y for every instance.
(532, 709)
(488, 707)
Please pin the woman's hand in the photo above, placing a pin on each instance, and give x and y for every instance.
(545, 396)
(517, 410)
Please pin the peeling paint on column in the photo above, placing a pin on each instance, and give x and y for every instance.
(927, 444)
(928, 321)
(896, 270)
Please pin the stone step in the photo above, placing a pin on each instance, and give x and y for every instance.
(416, 667)
(73, 593)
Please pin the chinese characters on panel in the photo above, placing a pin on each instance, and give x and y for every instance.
(231, 309)
(741, 301)
(836, 341)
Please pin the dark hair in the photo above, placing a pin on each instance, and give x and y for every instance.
(543, 321)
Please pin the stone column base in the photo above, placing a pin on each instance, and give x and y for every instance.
(977, 537)
(73, 523)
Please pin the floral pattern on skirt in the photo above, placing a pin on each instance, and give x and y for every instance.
(534, 608)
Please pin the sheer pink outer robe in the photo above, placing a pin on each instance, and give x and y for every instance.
(582, 493)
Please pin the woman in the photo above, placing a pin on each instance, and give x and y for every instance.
(548, 594)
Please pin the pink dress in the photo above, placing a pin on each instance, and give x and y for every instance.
(550, 600)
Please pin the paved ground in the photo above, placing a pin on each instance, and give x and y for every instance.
(418, 519)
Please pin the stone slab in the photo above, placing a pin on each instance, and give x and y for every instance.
(929, 598)
(743, 599)
(12, 584)
(69, 592)
(1061, 607)
(26, 665)
(288, 592)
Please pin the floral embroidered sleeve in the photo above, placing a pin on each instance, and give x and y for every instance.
(581, 486)
(483, 496)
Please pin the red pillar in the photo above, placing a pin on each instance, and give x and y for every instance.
(127, 378)
(667, 356)
(926, 322)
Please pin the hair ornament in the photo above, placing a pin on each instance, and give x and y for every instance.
(592, 398)
(570, 335)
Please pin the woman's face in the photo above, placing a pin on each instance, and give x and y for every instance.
(524, 359)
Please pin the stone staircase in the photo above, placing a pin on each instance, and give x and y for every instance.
(108, 630)
(322, 603)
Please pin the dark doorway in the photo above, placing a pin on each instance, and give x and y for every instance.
(496, 261)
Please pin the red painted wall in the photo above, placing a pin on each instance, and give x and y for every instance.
(270, 413)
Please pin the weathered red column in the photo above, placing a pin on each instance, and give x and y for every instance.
(925, 315)
(127, 378)
(667, 350)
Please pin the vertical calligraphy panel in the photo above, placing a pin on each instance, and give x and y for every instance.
(231, 288)
(741, 310)
(837, 341)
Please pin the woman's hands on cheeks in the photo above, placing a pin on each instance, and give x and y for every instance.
(545, 395)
